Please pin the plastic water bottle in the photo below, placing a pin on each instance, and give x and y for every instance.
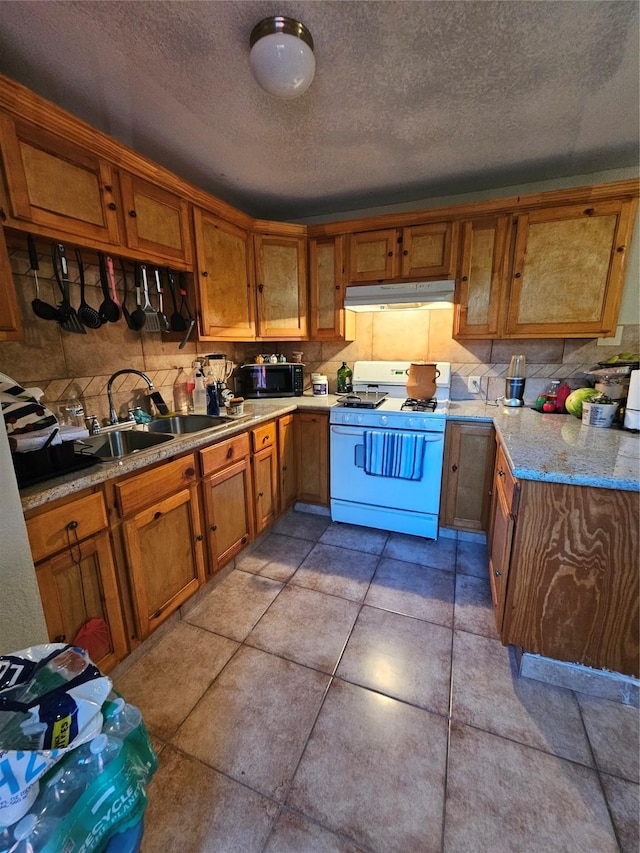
(33, 833)
(124, 719)
(92, 758)
(60, 793)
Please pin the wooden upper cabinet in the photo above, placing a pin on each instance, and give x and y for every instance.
(58, 187)
(225, 286)
(416, 251)
(156, 220)
(480, 282)
(281, 278)
(373, 255)
(568, 268)
(328, 320)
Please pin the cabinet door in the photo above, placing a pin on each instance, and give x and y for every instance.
(427, 250)
(500, 552)
(287, 461)
(156, 220)
(281, 275)
(568, 270)
(57, 185)
(480, 285)
(224, 280)
(328, 321)
(265, 487)
(373, 255)
(467, 475)
(228, 504)
(163, 545)
(78, 585)
(10, 319)
(312, 452)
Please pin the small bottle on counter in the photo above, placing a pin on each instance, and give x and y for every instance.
(563, 392)
(181, 395)
(345, 379)
(199, 395)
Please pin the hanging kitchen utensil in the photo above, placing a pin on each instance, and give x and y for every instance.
(176, 321)
(40, 309)
(68, 317)
(162, 317)
(183, 342)
(184, 305)
(151, 321)
(112, 285)
(109, 310)
(125, 293)
(138, 317)
(87, 315)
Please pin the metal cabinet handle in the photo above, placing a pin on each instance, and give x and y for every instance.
(111, 205)
(199, 538)
(497, 573)
(132, 214)
(213, 527)
(454, 468)
(500, 473)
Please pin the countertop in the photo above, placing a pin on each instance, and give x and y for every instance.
(551, 448)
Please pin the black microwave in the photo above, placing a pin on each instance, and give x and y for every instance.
(270, 380)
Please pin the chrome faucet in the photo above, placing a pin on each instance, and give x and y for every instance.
(113, 417)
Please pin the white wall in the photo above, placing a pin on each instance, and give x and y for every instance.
(21, 618)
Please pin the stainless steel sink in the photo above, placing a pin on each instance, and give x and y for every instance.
(122, 442)
(181, 424)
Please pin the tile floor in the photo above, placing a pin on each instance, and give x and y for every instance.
(343, 689)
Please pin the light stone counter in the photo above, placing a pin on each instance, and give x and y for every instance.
(559, 448)
(553, 448)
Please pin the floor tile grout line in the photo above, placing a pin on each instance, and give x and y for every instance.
(450, 711)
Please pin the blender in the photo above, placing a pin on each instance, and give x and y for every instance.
(514, 385)
(218, 371)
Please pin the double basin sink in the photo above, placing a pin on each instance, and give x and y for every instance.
(117, 443)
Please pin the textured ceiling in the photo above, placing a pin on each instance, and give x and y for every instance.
(410, 100)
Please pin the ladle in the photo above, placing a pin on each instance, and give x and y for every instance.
(88, 316)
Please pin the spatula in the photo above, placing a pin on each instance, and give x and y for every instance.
(68, 317)
(138, 317)
(177, 321)
(162, 317)
(151, 321)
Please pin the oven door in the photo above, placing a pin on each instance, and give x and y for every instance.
(390, 503)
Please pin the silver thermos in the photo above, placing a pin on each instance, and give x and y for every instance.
(514, 384)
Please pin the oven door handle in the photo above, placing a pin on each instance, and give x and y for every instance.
(338, 430)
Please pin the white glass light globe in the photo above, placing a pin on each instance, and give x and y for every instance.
(283, 65)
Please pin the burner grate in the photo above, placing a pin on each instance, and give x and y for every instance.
(413, 405)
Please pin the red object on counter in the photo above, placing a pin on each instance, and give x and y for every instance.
(563, 393)
(548, 407)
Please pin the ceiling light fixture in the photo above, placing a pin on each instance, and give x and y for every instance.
(282, 57)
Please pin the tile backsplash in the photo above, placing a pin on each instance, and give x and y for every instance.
(65, 364)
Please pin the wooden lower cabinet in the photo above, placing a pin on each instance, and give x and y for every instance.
(163, 540)
(76, 577)
(567, 557)
(312, 457)
(227, 499)
(287, 461)
(265, 475)
(467, 473)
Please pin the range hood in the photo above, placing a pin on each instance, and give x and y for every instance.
(390, 297)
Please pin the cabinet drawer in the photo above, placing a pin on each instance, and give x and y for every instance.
(263, 436)
(216, 458)
(506, 482)
(153, 485)
(49, 532)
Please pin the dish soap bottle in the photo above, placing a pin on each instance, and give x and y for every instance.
(345, 379)
(199, 395)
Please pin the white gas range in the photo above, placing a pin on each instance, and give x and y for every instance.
(387, 451)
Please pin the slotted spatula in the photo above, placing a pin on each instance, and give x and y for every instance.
(151, 320)
(68, 316)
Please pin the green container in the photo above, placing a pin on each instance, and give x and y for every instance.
(345, 379)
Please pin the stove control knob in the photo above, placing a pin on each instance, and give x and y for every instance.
(383, 419)
(411, 422)
(359, 419)
(346, 419)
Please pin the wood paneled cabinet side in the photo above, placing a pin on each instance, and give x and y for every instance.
(467, 475)
(156, 220)
(504, 508)
(10, 319)
(481, 278)
(287, 461)
(312, 457)
(228, 499)
(568, 270)
(265, 475)
(281, 286)
(76, 575)
(415, 251)
(328, 320)
(224, 278)
(56, 186)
